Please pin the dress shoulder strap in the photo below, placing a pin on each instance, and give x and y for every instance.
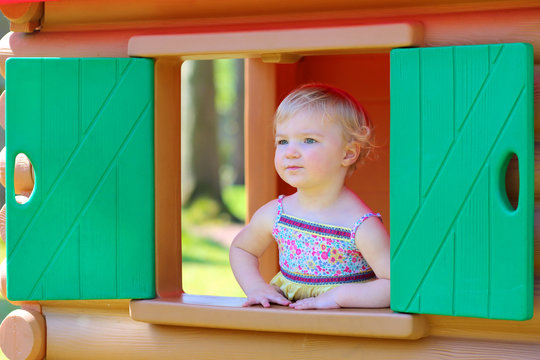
(361, 220)
(279, 208)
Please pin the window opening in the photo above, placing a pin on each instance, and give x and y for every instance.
(213, 192)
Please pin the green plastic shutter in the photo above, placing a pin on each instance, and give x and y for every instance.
(87, 231)
(458, 115)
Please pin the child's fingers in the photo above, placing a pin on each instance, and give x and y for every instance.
(319, 302)
(254, 301)
(308, 303)
(249, 302)
(281, 300)
(277, 297)
(265, 301)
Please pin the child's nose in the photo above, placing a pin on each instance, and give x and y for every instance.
(292, 151)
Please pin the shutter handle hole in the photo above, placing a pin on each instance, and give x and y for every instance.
(24, 178)
(512, 181)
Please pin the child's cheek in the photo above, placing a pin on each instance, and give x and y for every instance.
(277, 158)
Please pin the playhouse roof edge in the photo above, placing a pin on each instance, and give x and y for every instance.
(124, 14)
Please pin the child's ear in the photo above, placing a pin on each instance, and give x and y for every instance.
(351, 153)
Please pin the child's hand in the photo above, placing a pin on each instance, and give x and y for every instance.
(265, 295)
(323, 301)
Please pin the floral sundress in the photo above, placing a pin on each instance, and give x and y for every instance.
(315, 257)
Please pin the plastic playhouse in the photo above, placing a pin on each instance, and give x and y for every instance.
(93, 100)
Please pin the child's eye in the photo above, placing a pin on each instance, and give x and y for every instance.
(310, 141)
(282, 142)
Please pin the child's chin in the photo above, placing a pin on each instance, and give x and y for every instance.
(296, 183)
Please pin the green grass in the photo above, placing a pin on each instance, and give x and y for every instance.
(205, 262)
(205, 267)
(234, 198)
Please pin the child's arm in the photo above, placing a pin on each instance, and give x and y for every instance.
(245, 250)
(374, 242)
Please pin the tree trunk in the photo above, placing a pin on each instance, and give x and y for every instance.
(199, 129)
(238, 115)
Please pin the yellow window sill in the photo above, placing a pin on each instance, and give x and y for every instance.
(227, 313)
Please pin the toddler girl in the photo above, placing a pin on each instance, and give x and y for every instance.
(333, 250)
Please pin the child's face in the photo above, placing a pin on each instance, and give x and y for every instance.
(310, 152)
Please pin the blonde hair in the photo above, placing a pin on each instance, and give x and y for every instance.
(335, 105)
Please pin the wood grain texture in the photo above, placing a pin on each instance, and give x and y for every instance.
(97, 335)
(22, 335)
(500, 330)
(104, 305)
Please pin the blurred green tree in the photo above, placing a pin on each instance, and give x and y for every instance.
(199, 133)
(212, 129)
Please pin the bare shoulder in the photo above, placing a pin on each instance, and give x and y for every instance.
(265, 216)
(372, 229)
(373, 241)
